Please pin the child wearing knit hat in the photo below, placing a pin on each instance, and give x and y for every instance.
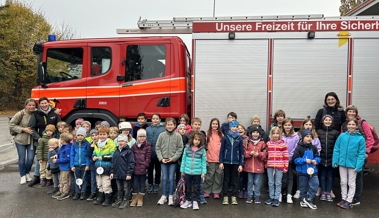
(42, 153)
(79, 162)
(306, 157)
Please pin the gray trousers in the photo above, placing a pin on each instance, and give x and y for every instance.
(214, 179)
(55, 179)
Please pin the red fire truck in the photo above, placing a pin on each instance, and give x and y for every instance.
(249, 65)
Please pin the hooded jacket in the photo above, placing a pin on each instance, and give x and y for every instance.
(40, 120)
(302, 153)
(349, 151)
(328, 137)
(43, 147)
(63, 159)
(214, 146)
(231, 151)
(366, 132)
(152, 133)
(78, 154)
(123, 162)
(142, 158)
(254, 164)
(169, 145)
(194, 162)
(277, 155)
(106, 153)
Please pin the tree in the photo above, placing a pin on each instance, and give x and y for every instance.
(20, 29)
(348, 5)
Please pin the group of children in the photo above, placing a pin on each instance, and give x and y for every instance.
(210, 163)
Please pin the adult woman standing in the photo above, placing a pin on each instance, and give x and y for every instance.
(23, 139)
(43, 116)
(333, 108)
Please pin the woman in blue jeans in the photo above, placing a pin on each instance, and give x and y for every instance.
(169, 149)
(19, 124)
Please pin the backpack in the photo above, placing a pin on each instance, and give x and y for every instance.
(13, 133)
(179, 194)
(375, 146)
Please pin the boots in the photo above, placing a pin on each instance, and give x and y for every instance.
(118, 200)
(140, 199)
(134, 200)
(108, 200)
(49, 182)
(44, 182)
(53, 190)
(124, 203)
(100, 198)
(35, 180)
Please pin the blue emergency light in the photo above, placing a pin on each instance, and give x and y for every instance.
(51, 38)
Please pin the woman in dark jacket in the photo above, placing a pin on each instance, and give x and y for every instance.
(332, 107)
(43, 116)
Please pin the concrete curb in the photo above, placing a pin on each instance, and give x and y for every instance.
(8, 162)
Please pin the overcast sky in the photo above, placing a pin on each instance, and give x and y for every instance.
(100, 18)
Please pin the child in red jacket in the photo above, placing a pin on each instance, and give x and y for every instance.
(255, 152)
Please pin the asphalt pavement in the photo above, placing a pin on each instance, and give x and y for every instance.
(21, 201)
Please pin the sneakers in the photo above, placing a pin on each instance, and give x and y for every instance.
(234, 200)
(216, 196)
(162, 200)
(53, 190)
(318, 193)
(155, 188)
(225, 201)
(170, 200)
(323, 196)
(332, 194)
(249, 200)
(23, 180)
(289, 199)
(356, 201)
(240, 195)
(91, 197)
(340, 203)
(297, 194)
(256, 200)
(63, 196)
(329, 197)
(195, 205)
(309, 204)
(275, 203)
(28, 177)
(346, 205)
(82, 196)
(202, 200)
(150, 188)
(245, 194)
(269, 201)
(186, 204)
(302, 204)
(206, 195)
(56, 195)
(280, 198)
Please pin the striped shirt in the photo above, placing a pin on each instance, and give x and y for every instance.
(277, 155)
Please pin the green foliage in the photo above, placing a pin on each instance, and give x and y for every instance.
(20, 28)
(348, 5)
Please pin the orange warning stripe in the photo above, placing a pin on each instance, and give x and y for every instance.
(145, 88)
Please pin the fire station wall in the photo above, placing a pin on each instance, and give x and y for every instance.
(230, 75)
(304, 70)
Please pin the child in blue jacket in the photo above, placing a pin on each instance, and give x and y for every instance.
(231, 161)
(79, 162)
(193, 168)
(63, 161)
(349, 155)
(306, 157)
